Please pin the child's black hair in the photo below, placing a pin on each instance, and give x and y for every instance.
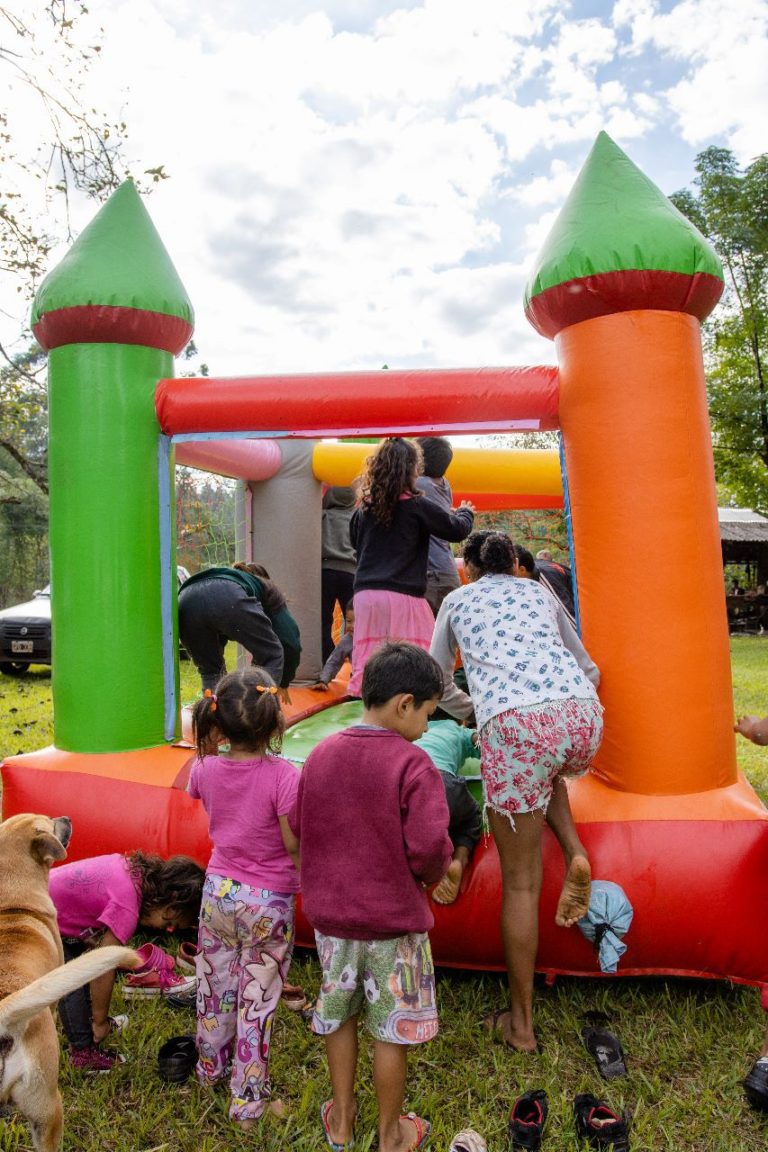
(175, 884)
(526, 560)
(437, 453)
(244, 709)
(490, 552)
(397, 668)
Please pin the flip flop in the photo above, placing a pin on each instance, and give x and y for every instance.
(606, 1051)
(423, 1130)
(325, 1117)
(468, 1141)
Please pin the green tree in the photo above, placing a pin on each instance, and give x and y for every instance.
(730, 206)
(47, 51)
(53, 144)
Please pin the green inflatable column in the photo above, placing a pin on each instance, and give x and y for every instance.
(112, 315)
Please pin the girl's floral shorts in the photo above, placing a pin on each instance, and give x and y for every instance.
(524, 750)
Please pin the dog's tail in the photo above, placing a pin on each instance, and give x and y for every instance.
(21, 1006)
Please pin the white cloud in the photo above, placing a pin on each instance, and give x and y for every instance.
(723, 45)
(550, 189)
(365, 181)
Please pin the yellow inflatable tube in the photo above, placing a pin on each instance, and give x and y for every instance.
(518, 472)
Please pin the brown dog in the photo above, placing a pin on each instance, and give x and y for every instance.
(33, 975)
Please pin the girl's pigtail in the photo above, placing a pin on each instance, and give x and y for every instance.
(267, 716)
(204, 721)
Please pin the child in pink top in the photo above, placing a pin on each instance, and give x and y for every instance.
(246, 919)
(102, 901)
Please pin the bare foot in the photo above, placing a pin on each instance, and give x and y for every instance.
(519, 1040)
(275, 1108)
(448, 888)
(574, 898)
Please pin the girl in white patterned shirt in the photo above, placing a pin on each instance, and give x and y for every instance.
(532, 690)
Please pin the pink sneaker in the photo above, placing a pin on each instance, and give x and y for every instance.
(154, 959)
(94, 1059)
(156, 984)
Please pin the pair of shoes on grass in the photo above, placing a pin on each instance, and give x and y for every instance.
(595, 1122)
(156, 975)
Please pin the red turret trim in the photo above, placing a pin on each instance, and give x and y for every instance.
(587, 297)
(110, 324)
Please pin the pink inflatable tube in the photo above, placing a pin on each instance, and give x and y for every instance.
(240, 459)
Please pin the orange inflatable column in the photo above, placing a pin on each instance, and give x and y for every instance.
(624, 304)
(647, 548)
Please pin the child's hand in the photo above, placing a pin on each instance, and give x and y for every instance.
(753, 728)
(284, 695)
(744, 725)
(320, 686)
(468, 504)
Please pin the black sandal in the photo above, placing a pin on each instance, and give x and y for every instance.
(606, 1050)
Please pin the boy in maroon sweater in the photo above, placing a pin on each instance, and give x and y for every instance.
(372, 821)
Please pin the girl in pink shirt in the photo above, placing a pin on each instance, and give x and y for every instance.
(102, 901)
(246, 919)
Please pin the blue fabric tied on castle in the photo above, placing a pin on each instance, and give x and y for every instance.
(606, 921)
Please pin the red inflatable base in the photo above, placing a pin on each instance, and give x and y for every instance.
(694, 867)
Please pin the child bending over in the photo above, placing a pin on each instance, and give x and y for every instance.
(246, 919)
(372, 820)
(102, 901)
(448, 745)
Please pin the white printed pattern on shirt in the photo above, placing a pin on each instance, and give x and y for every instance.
(511, 647)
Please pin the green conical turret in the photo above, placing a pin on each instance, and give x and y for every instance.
(619, 244)
(116, 284)
(112, 314)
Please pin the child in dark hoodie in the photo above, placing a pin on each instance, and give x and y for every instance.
(338, 560)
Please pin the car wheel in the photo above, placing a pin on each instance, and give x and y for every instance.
(13, 667)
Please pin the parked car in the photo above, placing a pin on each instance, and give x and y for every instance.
(25, 631)
(25, 634)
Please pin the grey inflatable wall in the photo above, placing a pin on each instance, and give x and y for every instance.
(279, 526)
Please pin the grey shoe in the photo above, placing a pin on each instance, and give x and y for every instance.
(185, 999)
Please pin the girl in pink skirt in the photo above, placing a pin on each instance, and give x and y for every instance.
(390, 532)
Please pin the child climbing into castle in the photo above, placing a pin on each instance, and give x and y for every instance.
(372, 821)
(342, 652)
(102, 901)
(391, 531)
(247, 914)
(448, 745)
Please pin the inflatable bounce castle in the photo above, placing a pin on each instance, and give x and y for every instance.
(622, 285)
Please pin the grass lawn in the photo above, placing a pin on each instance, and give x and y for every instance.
(688, 1043)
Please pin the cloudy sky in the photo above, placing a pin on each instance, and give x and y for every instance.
(360, 182)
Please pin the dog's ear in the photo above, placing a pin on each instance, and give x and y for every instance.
(46, 849)
(62, 829)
